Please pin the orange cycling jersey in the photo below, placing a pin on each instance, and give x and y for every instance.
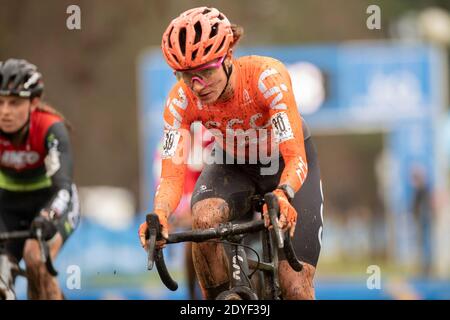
(262, 100)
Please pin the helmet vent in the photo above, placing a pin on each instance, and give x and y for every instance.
(208, 48)
(182, 40)
(170, 42)
(198, 31)
(194, 54)
(207, 10)
(221, 44)
(214, 30)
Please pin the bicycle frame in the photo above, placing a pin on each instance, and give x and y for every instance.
(240, 266)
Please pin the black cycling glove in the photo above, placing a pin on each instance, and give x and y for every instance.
(47, 226)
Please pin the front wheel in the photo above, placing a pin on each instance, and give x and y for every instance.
(238, 293)
(228, 295)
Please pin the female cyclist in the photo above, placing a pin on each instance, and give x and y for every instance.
(35, 177)
(248, 100)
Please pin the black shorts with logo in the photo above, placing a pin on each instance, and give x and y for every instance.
(238, 183)
(18, 209)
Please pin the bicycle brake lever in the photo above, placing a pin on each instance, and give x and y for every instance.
(151, 252)
(273, 208)
(156, 256)
(41, 244)
(290, 254)
(45, 253)
(153, 230)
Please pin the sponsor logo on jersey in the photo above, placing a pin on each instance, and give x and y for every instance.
(173, 104)
(202, 189)
(52, 160)
(256, 121)
(275, 93)
(19, 159)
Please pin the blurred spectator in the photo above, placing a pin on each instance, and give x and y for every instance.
(422, 213)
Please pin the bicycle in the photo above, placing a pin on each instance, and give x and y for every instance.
(232, 234)
(9, 271)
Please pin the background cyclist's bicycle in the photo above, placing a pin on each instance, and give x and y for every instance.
(9, 270)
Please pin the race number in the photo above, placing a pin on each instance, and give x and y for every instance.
(170, 143)
(281, 127)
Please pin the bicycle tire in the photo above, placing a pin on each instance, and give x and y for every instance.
(244, 293)
(228, 295)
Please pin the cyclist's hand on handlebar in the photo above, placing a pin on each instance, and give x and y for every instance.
(143, 231)
(143, 237)
(288, 214)
(44, 222)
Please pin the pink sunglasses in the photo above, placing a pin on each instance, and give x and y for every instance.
(199, 74)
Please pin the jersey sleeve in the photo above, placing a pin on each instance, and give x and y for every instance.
(59, 167)
(175, 147)
(275, 91)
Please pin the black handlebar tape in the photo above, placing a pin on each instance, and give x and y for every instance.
(273, 209)
(153, 224)
(247, 227)
(163, 272)
(193, 235)
(45, 253)
(201, 235)
(153, 230)
(290, 254)
(156, 255)
(49, 264)
(15, 235)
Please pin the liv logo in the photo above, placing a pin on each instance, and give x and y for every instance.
(73, 281)
(374, 280)
(236, 267)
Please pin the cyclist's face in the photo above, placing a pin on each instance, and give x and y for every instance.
(207, 81)
(13, 113)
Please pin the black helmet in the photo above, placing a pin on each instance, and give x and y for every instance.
(20, 78)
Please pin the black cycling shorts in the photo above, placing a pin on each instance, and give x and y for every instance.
(238, 183)
(18, 209)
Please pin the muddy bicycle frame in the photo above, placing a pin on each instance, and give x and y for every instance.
(232, 235)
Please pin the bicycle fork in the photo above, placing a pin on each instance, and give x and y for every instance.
(239, 270)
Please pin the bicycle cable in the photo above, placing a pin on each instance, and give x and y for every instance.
(244, 246)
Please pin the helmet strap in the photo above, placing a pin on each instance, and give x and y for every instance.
(228, 72)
